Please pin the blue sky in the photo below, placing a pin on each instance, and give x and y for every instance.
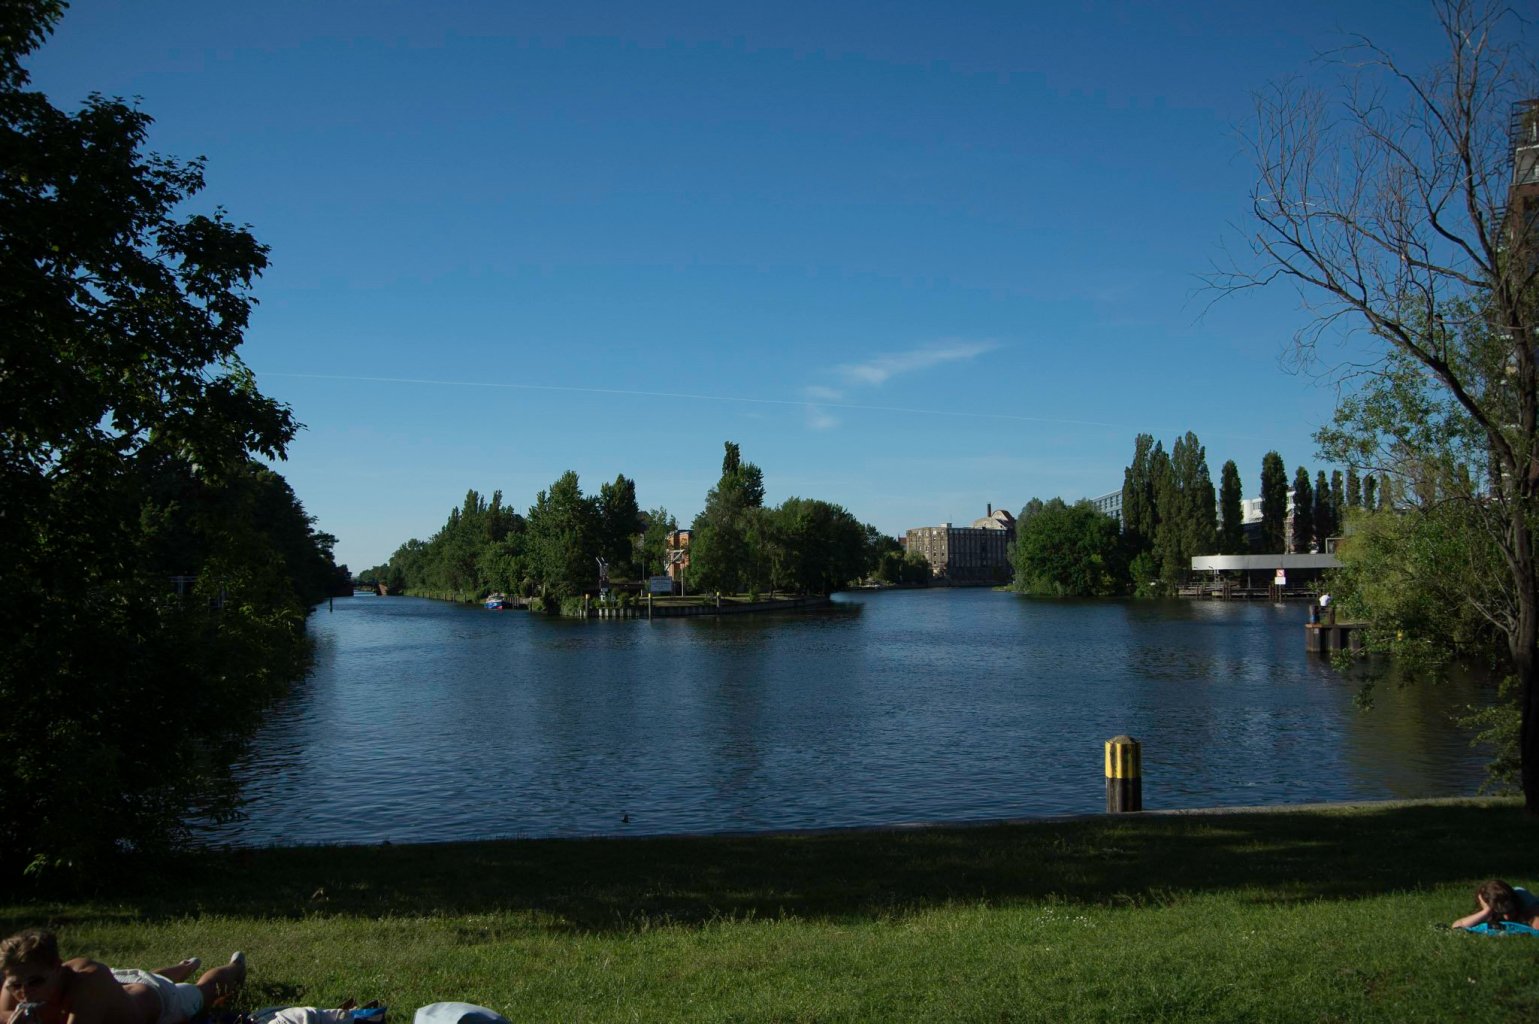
(914, 258)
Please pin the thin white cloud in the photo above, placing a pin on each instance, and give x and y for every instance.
(820, 419)
(878, 371)
(818, 393)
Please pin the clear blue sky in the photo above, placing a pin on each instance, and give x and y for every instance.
(914, 258)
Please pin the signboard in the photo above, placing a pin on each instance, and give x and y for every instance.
(659, 585)
(1282, 578)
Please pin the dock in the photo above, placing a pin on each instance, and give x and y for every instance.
(1329, 637)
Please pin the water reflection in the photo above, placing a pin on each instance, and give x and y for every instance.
(431, 721)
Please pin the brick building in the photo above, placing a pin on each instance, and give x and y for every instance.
(967, 554)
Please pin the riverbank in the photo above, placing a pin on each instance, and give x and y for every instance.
(1301, 914)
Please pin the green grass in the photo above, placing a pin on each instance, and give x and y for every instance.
(1305, 915)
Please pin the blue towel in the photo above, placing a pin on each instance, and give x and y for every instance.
(1502, 928)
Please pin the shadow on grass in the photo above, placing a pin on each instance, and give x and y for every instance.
(622, 884)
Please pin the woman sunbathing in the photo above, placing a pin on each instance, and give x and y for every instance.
(1500, 903)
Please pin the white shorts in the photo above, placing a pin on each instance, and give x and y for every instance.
(178, 1002)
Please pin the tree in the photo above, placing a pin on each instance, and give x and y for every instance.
(819, 547)
(563, 538)
(1274, 504)
(1231, 531)
(1394, 201)
(1354, 489)
(654, 541)
(1186, 510)
(1303, 512)
(619, 523)
(126, 459)
(1070, 551)
(1324, 513)
(1369, 483)
(719, 550)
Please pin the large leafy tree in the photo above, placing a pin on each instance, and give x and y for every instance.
(1403, 200)
(721, 555)
(1070, 551)
(126, 460)
(563, 532)
(619, 524)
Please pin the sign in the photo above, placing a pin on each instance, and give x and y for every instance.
(659, 585)
(1282, 578)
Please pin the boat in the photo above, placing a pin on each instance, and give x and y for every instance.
(497, 602)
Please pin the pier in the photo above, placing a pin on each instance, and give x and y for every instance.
(1328, 637)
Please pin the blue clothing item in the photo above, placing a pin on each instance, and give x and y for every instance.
(1502, 928)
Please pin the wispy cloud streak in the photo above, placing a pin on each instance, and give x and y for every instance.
(907, 411)
(879, 370)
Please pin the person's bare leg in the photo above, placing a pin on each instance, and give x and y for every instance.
(217, 984)
(180, 972)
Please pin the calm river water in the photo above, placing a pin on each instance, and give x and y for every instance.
(429, 721)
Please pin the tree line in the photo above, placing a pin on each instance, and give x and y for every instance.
(1171, 511)
(737, 545)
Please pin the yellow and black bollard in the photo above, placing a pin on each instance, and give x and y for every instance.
(1124, 775)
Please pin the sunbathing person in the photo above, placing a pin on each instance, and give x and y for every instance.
(1499, 903)
(40, 988)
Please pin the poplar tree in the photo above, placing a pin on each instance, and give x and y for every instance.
(1325, 517)
(1274, 504)
(1303, 512)
(1231, 532)
(1354, 488)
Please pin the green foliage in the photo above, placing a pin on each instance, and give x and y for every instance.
(126, 459)
(481, 548)
(1140, 512)
(1169, 510)
(1188, 513)
(619, 524)
(1070, 551)
(721, 557)
(1274, 504)
(1303, 538)
(1496, 728)
(812, 546)
(654, 542)
(1231, 531)
(1427, 581)
(1324, 511)
(563, 538)
(917, 568)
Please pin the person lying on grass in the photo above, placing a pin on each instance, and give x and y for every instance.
(1499, 903)
(40, 988)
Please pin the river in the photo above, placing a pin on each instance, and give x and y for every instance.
(427, 721)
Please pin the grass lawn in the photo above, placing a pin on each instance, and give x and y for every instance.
(1303, 915)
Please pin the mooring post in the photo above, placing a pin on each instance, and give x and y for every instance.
(1124, 775)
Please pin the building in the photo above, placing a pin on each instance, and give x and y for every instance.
(1109, 505)
(676, 553)
(967, 554)
(1522, 212)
